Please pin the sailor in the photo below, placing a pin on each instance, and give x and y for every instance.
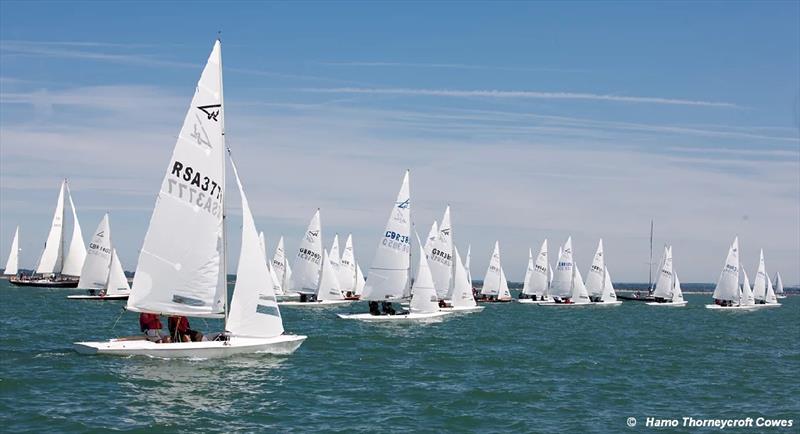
(180, 331)
(373, 308)
(150, 325)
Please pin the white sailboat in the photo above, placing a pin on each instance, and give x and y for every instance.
(608, 296)
(12, 264)
(779, 286)
(538, 283)
(335, 258)
(526, 282)
(726, 293)
(667, 290)
(276, 283)
(116, 286)
(57, 268)
(561, 286)
(578, 295)
(746, 294)
(760, 282)
(771, 299)
(308, 262)
(495, 287)
(329, 293)
(388, 278)
(595, 278)
(440, 257)
(352, 279)
(283, 274)
(182, 264)
(462, 298)
(96, 276)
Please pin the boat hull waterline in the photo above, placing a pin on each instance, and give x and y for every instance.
(45, 283)
(98, 297)
(409, 317)
(280, 345)
(319, 303)
(668, 304)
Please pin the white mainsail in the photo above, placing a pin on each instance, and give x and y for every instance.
(335, 258)
(579, 294)
(308, 262)
(12, 265)
(423, 293)
(596, 275)
(181, 267)
(503, 292)
(491, 281)
(347, 268)
(462, 289)
(760, 282)
(76, 254)
(440, 256)
(279, 268)
(609, 295)
(329, 288)
(262, 242)
(526, 282)
(117, 281)
(388, 277)
(432, 234)
(254, 309)
(53, 255)
(94, 274)
(728, 283)
(540, 277)
(664, 283)
(747, 292)
(562, 277)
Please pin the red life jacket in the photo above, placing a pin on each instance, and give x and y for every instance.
(179, 324)
(149, 321)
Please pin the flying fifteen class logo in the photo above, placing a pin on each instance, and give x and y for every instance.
(404, 204)
(210, 112)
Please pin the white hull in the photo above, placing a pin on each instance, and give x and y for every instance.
(283, 344)
(567, 304)
(668, 304)
(98, 297)
(532, 301)
(607, 303)
(780, 296)
(462, 309)
(414, 316)
(321, 303)
(718, 307)
(768, 305)
(288, 296)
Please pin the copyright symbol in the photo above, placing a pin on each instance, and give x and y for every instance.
(631, 422)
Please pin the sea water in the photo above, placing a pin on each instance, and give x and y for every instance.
(512, 367)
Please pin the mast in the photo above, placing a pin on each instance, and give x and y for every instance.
(224, 258)
(61, 246)
(650, 264)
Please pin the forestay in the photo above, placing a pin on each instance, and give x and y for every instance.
(76, 255)
(596, 275)
(491, 281)
(728, 283)
(388, 277)
(308, 262)
(53, 254)
(181, 262)
(562, 278)
(94, 274)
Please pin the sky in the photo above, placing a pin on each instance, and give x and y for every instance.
(531, 120)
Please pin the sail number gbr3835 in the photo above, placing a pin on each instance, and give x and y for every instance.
(188, 184)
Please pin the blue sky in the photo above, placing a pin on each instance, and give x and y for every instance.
(531, 120)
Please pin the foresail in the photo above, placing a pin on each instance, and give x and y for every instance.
(562, 277)
(423, 293)
(94, 274)
(491, 281)
(609, 294)
(388, 277)
(12, 265)
(328, 281)
(526, 282)
(117, 281)
(540, 276)
(76, 255)
(53, 254)
(462, 288)
(440, 257)
(254, 309)
(360, 282)
(308, 262)
(747, 291)
(347, 269)
(503, 292)
(579, 293)
(180, 264)
(279, 269)
(596, 275)
(664, 283)
(760, 282)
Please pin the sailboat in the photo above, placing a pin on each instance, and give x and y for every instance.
(308, 262)
(440, 257)
(567, 287)
(495, 285)
(771, 299)
(526, 282)
(727, 295)
(329, 293)
(462, 298)
(598, 281)
(102, 274)
(779, 286)
(608, 296)
(182, 267)
(283, 273)
(335, 258)
(667, 291)
(55, 268)
(424, 301)
(12, 264)
(537, 283)
(352, 279)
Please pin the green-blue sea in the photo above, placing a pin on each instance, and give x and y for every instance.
(511, 368)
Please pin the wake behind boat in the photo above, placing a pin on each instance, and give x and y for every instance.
(182, 266)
